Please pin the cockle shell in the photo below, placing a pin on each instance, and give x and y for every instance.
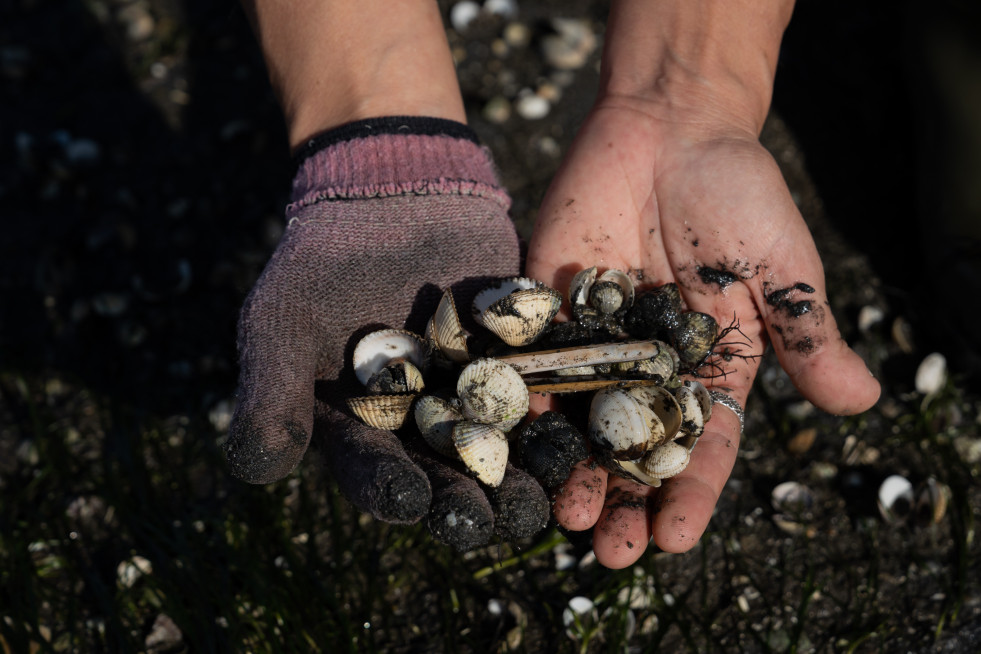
(666, 460)
(517, 310)
(492, 392)
(611, 292)
(447, 332)
(696, 407)
(435, 417)
(379, 348)
(382, 411)
(484, 450)
(399, 376)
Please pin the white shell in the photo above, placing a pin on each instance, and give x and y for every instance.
(518, 309)
(666, 460)
(435, 418)
(895, 498)
(663, 365)
(492, 392)
(665, 407)
(377, 349)
(447, 332)
(582, 281)
(484, 450)
(931, 374)
(618, 422)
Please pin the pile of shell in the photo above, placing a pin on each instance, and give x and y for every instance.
(643, 422)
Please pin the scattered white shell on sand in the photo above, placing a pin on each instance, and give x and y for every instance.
(463, 13)
(505, 8)
(531, 106)
(895, 498)
(931, 374)
(869, 316)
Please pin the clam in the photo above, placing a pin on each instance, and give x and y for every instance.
(446, 331)
(666, 460)
(612, 291)
(435, 417)
(623, 426)
(654, 313)
(492, 392)
(664, 405)
(484, 450)
(379, 348)
(382, 411)
(895, 499)
(696, 407)
(694, 337)
(588, 355)
(517, 310)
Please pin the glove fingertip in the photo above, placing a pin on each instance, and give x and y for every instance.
(521, 508)
(259, 454)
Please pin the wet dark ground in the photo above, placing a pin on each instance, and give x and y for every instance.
(143, 172)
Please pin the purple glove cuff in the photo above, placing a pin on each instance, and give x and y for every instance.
(390, 157)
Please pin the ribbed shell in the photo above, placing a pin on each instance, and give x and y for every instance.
(612, 291)
(484, 450)
(447, 332)
(435, 418)
(517, 310)
(382, 411)
(666, 460)
(493, 393)
(377, 349)
(694, 336)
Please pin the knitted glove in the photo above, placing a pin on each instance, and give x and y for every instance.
(386, 213)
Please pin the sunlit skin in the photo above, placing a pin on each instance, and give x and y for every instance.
(641, 191)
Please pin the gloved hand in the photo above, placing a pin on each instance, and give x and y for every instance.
(386, 213)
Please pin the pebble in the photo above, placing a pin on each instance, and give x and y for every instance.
(138, 22)
(164, 635)
(531, 106)
(129, 572)
(931, 374)
(497, 110)
(868, 317)
(517, 35)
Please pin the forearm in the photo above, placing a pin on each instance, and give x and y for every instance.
(331, 62)
(684, 54)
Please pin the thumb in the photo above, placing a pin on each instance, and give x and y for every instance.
(273, 421)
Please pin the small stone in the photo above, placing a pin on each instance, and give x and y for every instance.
(931, 374)
(802, 441)
(902, 335)
(164, 635)
(138, 22)
(129, 572)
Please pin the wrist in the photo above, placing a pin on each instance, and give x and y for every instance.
(695, 61)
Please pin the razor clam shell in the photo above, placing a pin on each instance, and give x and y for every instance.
(622, 424)
(666, 460)
(663, 403)
(447, 332)
(377, 349)
(382, 411)
(492, 392)
(587, 355)
(435, 418)
(578, 384)
(483, 449)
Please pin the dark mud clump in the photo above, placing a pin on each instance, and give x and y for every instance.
(549, 447)
(780, 300)
(716, 276)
